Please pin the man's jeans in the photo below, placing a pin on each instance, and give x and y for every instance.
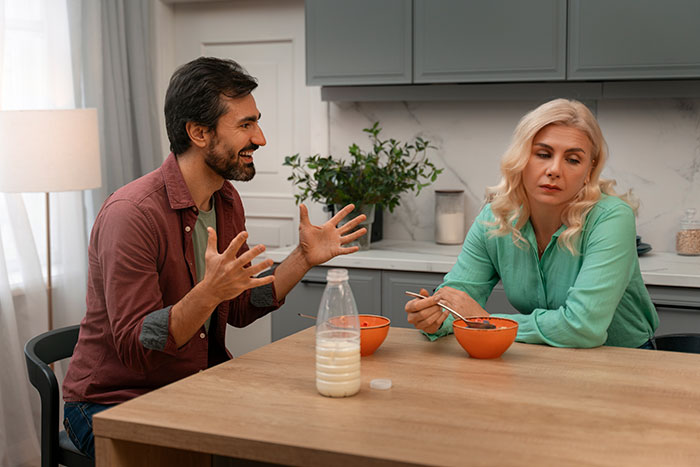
(78, 424)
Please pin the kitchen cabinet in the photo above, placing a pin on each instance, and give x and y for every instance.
(358, 42)
(381, 292)
(489, 40)
(402, 42)
(633, 39)
(678, 309)
(378, 292)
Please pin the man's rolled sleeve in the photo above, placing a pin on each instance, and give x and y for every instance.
(155, 332)
(263, 296)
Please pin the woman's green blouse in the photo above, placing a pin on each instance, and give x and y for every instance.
(596, 297)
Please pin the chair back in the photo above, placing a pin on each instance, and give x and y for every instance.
(39, 352)
(689, 343)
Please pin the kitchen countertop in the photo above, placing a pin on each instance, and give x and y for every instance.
(658, 268)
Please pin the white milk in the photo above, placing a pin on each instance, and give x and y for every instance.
(338, 367)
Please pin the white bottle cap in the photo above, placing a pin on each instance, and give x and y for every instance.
(337, 275)
(380, 383)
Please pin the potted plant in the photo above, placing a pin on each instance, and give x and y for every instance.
(366, 178)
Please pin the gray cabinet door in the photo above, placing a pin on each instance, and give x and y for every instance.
(489, 40)
(358, 42)
(628, 39)
(678, 309)
(306, 297)
(395, 283)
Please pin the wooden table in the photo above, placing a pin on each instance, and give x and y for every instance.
(535, 405)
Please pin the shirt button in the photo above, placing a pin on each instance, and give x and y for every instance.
(202, 335)
(187, 228)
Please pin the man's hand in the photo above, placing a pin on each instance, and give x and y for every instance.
(317, 244)
(320, 243)
(227, 276)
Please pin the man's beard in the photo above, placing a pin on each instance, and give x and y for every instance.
(229, 165)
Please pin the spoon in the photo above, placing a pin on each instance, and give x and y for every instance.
(470, 324)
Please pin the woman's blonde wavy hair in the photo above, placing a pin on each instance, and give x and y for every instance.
(509, 202)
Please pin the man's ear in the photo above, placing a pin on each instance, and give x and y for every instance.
(199, 134)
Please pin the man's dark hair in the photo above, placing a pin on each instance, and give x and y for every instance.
(194, 95)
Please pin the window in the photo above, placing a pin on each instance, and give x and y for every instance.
(35, 73)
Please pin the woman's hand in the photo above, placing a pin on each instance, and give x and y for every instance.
(424, 313)
(460, 301)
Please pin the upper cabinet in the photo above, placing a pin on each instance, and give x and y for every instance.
(630, 39)
(457, 41)
(366, 42)
(358, 42)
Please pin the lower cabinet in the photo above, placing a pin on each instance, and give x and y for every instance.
(376, 292)
(678, 309)
(379, 292)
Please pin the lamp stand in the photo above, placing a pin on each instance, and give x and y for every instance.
(49, 292)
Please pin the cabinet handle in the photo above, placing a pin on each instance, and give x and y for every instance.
(675, 306)
(314, 281)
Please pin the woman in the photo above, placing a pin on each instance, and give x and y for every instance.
(558, 237)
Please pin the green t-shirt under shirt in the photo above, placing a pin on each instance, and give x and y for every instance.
(199, 239)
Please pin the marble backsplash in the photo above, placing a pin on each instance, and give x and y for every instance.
(654, 150)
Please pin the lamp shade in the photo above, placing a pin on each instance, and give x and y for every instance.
(49, 150)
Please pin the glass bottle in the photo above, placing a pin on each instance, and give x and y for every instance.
(449, 217)
(688, 237)
(337, 338)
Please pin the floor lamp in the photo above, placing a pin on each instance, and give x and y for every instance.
(48, 151)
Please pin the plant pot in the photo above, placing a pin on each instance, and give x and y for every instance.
(368, 210)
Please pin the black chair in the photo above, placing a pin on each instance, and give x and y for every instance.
(40, 351)
(689, 343)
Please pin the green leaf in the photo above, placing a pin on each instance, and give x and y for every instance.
(380, 175)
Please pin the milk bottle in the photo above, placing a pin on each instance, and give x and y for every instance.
(337, 338)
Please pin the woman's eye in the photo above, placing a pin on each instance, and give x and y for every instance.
(542, 155)
(573, 161)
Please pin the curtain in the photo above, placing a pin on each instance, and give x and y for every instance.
(64, 54)
(35, 73)
(113, 49)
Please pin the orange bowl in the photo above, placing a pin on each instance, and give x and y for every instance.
(373, 331)
(486, 343)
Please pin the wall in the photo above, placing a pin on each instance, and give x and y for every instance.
(654, 150)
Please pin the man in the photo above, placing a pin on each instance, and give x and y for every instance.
(169, 266)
